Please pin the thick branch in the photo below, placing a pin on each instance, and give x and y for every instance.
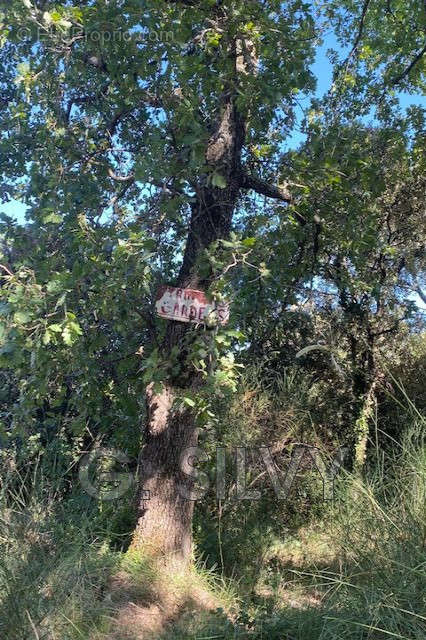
(278, 192)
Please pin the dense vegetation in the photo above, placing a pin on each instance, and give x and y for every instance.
(182, 142)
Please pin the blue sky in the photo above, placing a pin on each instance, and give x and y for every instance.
(322, 70)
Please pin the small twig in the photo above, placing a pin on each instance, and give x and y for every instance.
(2, 266)
(32, 625)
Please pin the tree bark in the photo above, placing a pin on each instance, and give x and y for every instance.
(165, 513)
(166, 508)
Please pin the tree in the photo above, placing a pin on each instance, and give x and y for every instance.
(163, 118)
(371, 181)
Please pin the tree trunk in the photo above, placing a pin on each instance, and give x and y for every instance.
(165, 519)
(166, 509)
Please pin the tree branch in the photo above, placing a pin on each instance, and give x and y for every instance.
(8, 271)
(360, 30)
(410, 67)
(155, 101)
(81, 100)
(278, 192)
(117, 178)
(420, 293)
(115, 121)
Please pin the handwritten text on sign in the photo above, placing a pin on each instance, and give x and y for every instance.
(189, 305)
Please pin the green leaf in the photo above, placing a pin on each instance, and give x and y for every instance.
(55, 328)
(235, 334)
(52, 218)
(53, 286)
(56, 16)
(218, 181)
(75, 328)
(22, 317)
(67, 337)
(71, 331)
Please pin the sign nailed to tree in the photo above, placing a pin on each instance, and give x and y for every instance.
(189, 305)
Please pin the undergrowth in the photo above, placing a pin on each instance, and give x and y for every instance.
(356, 570)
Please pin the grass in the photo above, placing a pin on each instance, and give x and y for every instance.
(367, 577)
(53, 566)
(356, 572)
(63, 578)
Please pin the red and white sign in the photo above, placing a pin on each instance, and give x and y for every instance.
(189, 305)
